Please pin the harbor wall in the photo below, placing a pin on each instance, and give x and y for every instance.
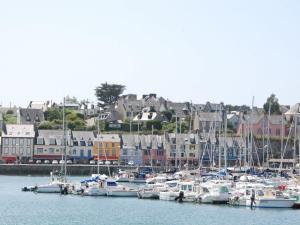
(72, 170)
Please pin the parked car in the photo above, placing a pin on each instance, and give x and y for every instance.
(115, 162)
(92, 162)
(107, 162)
(61, 161)
(30, 161)
(54, 162)
(100, 162)
(38, 161)
(46, 161)
(69, 161)
(130, 163)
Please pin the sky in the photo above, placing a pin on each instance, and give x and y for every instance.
(199, 51)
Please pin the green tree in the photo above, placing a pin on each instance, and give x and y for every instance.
(46, 125)
(108, 94)
(155, 123)
(169, 127)
(53, 114)
(273, 105)
(168, 115)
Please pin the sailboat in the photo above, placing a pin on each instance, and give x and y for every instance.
(58, 181)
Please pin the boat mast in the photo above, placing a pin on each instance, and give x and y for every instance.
(268, 141)
(251, 134)
(295, 135)
(281, 144)
(64, 165)
(219, 127)
(98, 131)
(225, 140)
(181, 144)
(176, 142)
(151, 149)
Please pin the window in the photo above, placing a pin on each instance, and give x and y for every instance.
(192, 155)
(13, 141)
(277, 132)
(74, 151)
(6, 141)
(106, 145)
(90, 143)
(40, 150)
(28, 151)
(52, 141)
(182, 154)
(13, 150)
(6, 150)
(28, 142)
(21, 151)
(107, 153)
(51, 150)
(112, 145)
(17, 141)
(75, 142)
(124, 151)
(113, 152)
(57, 150)
(192, 147)
(27, 117)
(40, 141)
(259, 131)
(21, 141)
(82, 143)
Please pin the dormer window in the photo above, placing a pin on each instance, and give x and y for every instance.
(40, 141)
(75, 142)
(37, 119)
(27, 117)
(82, 143)
(90, 143)
(52, 141)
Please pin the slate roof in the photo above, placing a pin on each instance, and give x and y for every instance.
(129, 141)
(209, 107)
(198, 107)
(108, 138)
(31, 116)
(182, 109)
(19, 130)
(209, 116)
(49, 135)
(83, 135)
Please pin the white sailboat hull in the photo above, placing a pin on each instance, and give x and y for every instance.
(271, 203)
(168, 195)
(122, 193)
(49, 188)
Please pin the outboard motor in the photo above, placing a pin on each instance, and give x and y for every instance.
(180, 197)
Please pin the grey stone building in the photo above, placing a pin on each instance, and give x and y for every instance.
(17, 142)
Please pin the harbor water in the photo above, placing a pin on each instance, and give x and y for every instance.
(27, 208)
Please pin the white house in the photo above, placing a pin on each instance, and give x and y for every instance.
(17, 142)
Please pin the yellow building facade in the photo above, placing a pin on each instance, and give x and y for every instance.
(107, 147)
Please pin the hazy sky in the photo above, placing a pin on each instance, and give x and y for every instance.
(183, 50)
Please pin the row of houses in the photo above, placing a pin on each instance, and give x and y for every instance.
(25, 143)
